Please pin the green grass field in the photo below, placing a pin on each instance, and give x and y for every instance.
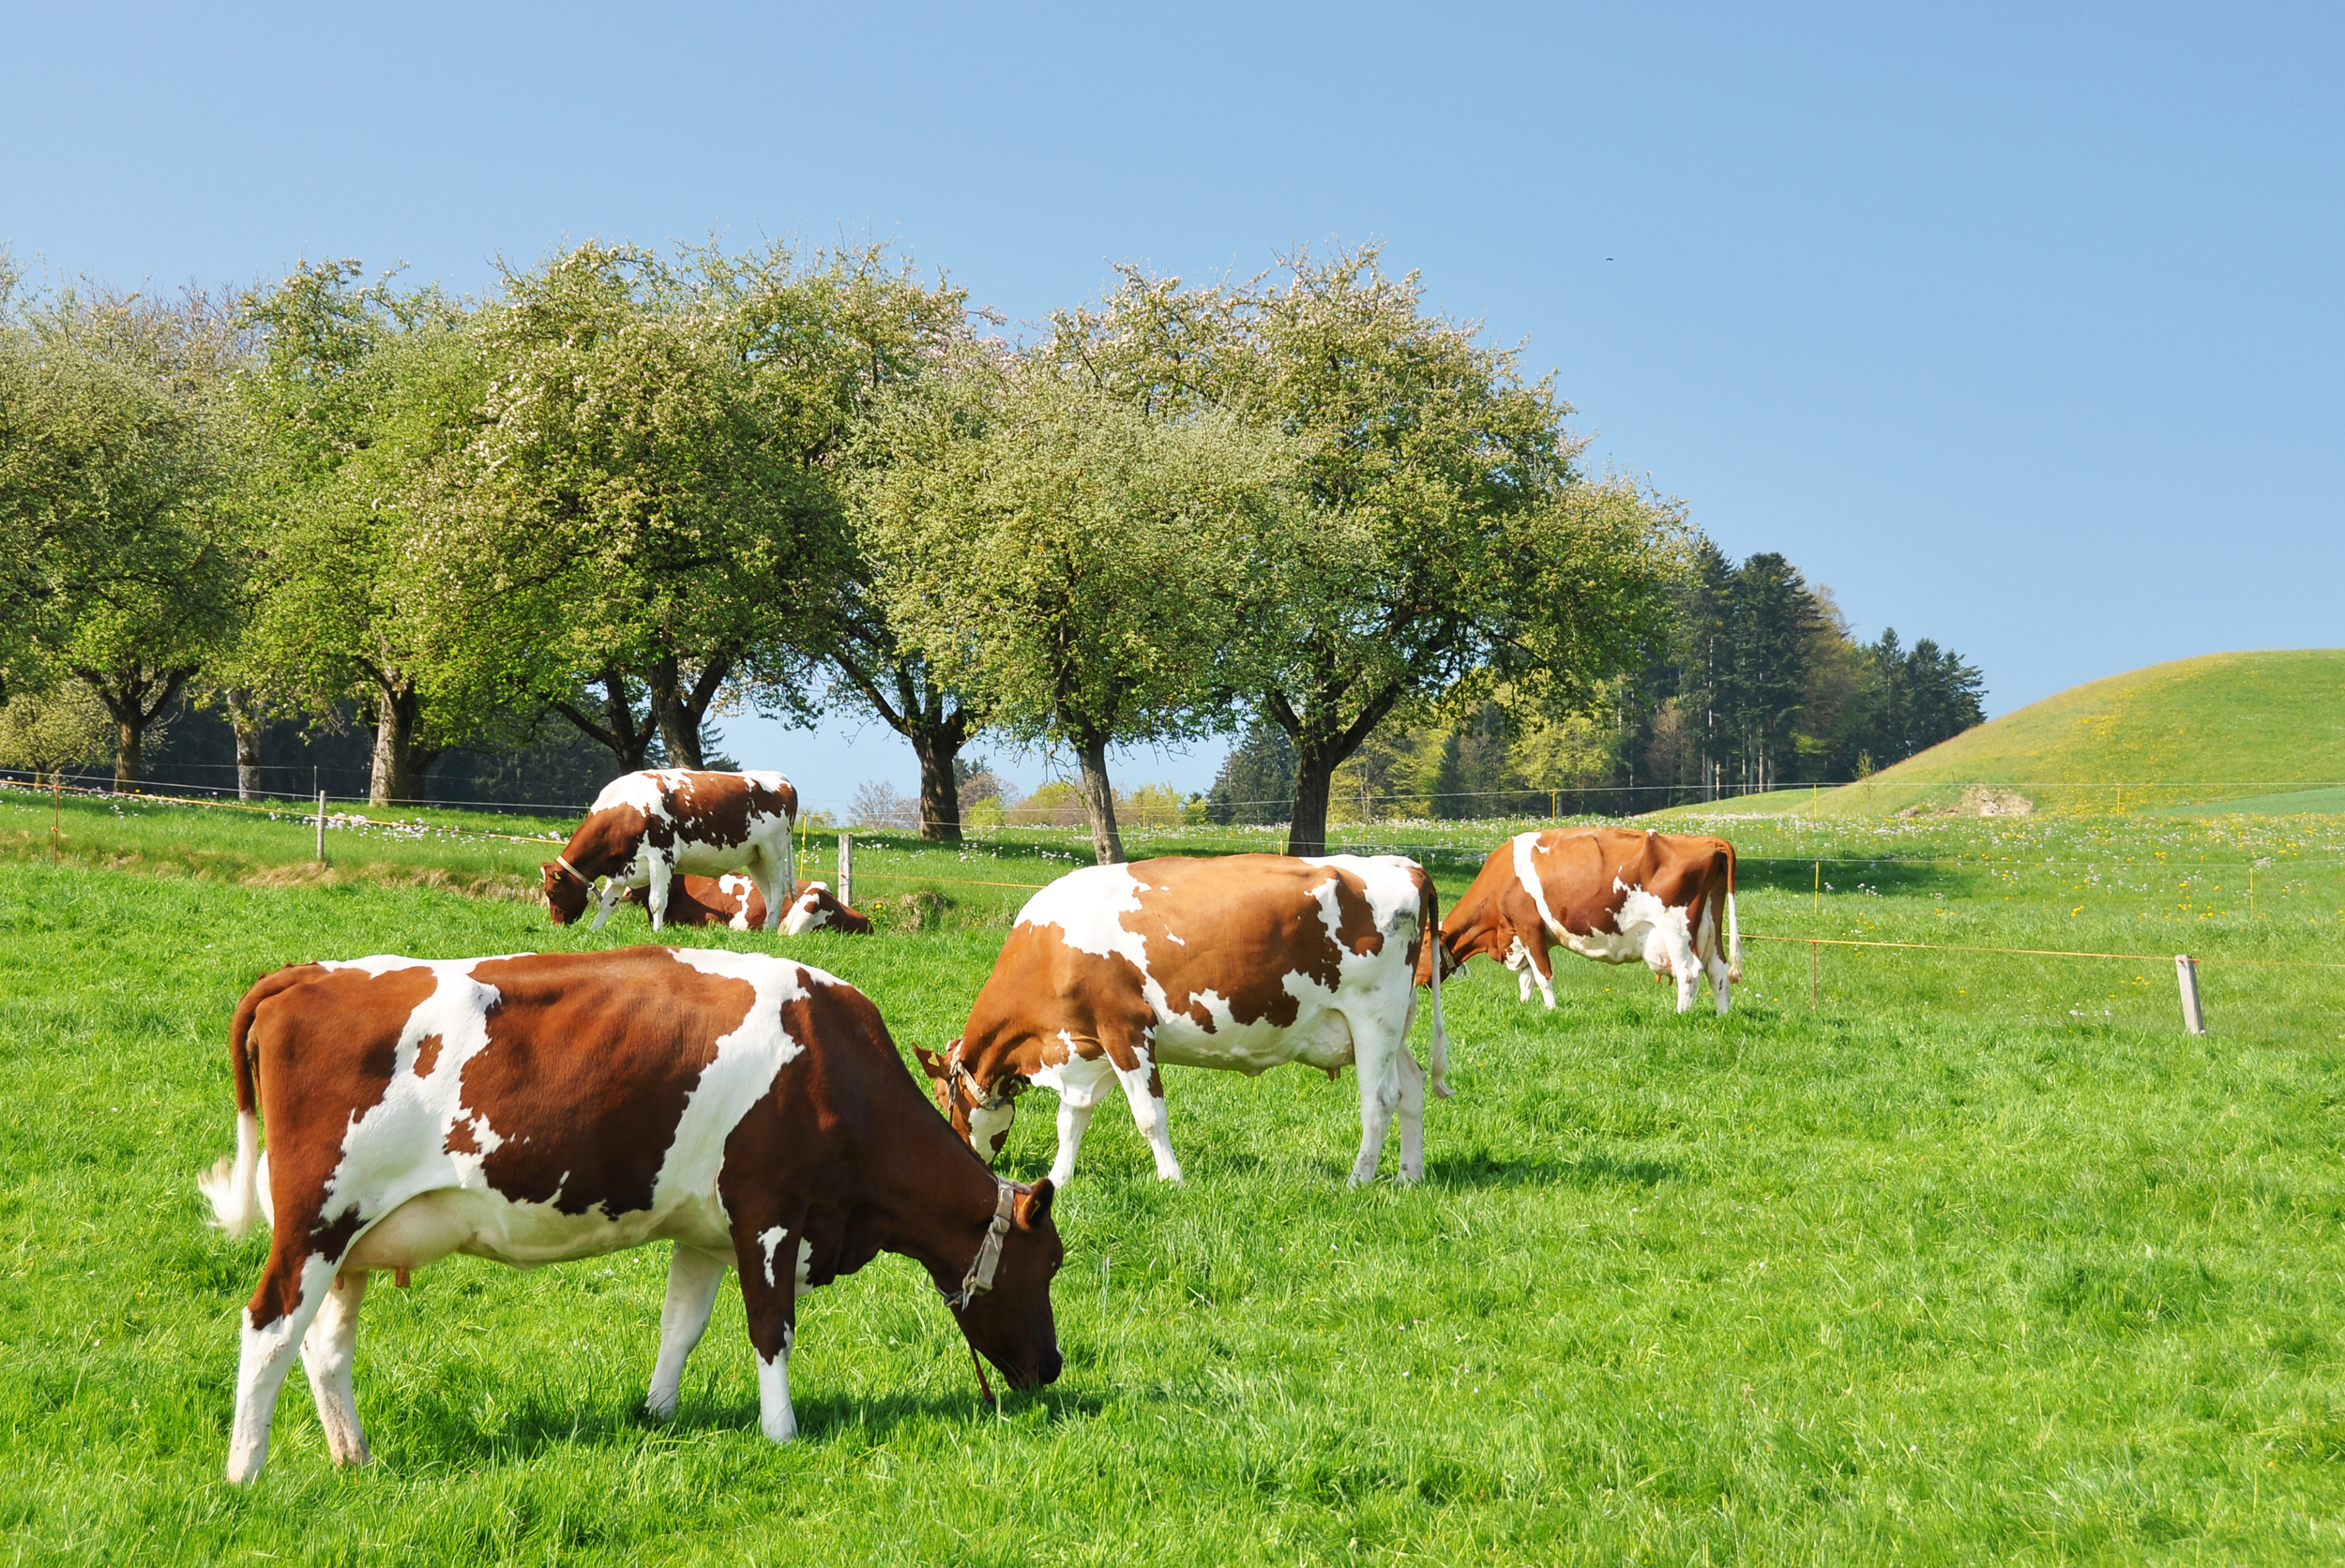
(1981, 1260)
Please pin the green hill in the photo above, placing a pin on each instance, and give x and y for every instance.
(2267, 731)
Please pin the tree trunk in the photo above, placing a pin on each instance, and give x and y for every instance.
(627, 738)
(129, 747)
(1306, 824)
(681, 710)
(247, 726)
(125, 692)
(938, 746)
(1318, 753)
(1100, 801)
(400, 764)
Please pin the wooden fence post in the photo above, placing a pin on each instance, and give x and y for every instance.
(321, 827)
(2186, 976)
(846, 868)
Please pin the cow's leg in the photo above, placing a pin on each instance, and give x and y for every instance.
(693, 1278)
(294, 1286)
(1376, 1055)
(1715, 968)
(1079, 1082)
(655, 897)
(1542, 962)
(767, 879)
(1143, 1088)
(1683, 964)
(327, 1354)
(607, 900)
(767, 1256)
(1412, 1118)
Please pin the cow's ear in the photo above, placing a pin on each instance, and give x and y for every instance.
(545, 869)
(931, 1063)
(1034, 1207)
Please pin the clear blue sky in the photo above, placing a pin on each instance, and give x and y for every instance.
(2019, 325)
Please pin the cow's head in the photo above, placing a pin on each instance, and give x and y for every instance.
(566, 892)
(1011, 1325)
(979, 1113)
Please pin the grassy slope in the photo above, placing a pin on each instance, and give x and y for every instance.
(1979, 1261)
(2217, 727)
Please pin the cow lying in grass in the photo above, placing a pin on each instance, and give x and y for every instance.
(1242, 962)
(734, 902)
(646, 828)
(1606, 893)
(550, 1107)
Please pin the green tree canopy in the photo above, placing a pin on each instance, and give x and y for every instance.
(116, 555)
(1071, 559)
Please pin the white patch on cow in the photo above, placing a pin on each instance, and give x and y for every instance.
(1527, 873)
(738, 889)
(768, 1240)
(646, 791)
(990, 1123)
(1088, 905)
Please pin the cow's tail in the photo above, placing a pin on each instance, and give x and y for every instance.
(238, 1186)
(1733, 927)
(1428, 967)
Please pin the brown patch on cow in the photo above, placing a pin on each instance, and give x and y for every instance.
(309, 1097)
(1246, 922)
(586, 1098)
(427, 1052)
(461, 1139)
(694, 900)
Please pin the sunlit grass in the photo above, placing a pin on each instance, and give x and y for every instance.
(1982, 1260)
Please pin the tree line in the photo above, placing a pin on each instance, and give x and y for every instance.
(627, 490)
(1758, 684)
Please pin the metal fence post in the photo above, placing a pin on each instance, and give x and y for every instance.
(321, 827)
(2186, 976)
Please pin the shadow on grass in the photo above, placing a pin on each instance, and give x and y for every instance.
(446, 1432)
(1482, 1168)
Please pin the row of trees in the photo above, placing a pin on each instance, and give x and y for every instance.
(1758, 683)
(632, 491)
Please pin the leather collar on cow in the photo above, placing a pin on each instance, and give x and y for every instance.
(981, 1099)
(979, 1279)
(584, 881)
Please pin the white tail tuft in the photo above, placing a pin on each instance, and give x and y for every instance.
(1734, 944)
(237, 1188)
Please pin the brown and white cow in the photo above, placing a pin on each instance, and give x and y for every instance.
(734, 902)
(815, 909)
(550, 1107)
(645, 827)
(1606, 893)
(1243, 962)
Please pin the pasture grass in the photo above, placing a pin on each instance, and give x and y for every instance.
(1981, 1260)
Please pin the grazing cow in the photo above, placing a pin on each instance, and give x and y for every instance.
(549, 1107)
(645, 827)
(815, 909)
(1242, 962)
(732, 901)
(1606, 893)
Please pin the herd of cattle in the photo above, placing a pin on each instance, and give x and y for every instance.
(755, 1112)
